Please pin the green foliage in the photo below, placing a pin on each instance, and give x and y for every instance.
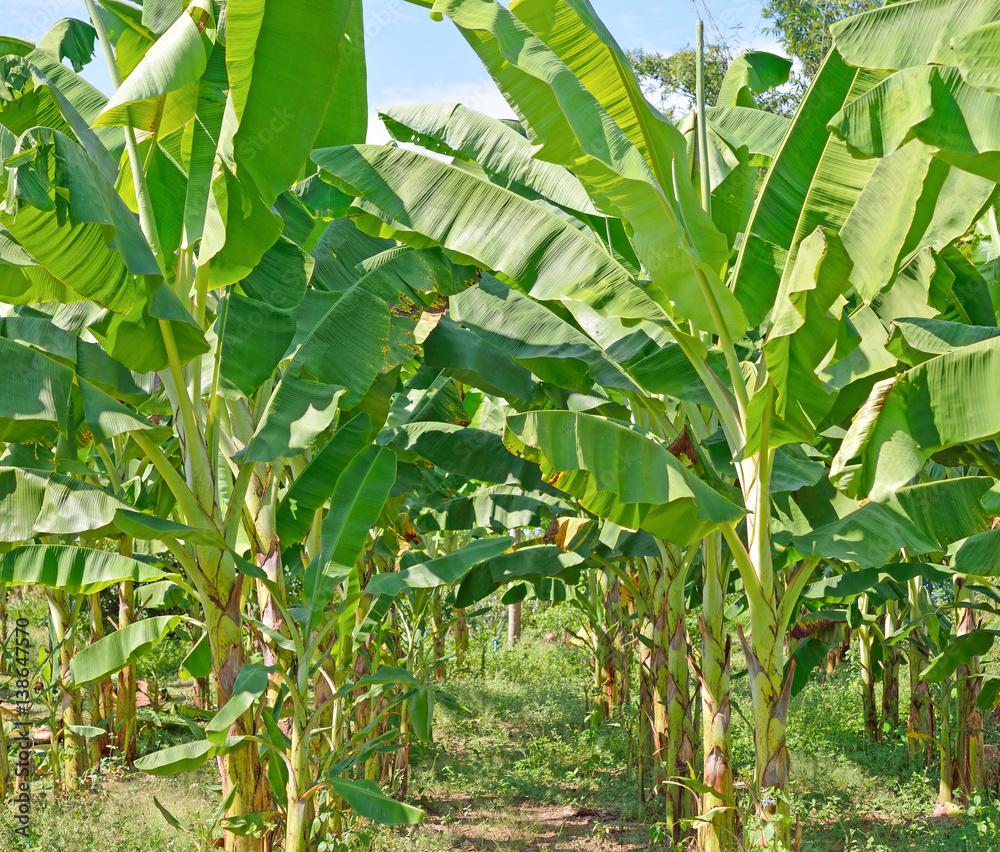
(804, 28)
(673, 76)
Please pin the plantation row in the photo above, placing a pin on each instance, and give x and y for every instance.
(306, 402)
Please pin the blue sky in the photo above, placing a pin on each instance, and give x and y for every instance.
(412, 59)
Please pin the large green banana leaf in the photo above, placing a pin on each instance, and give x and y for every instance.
(205, 133)
(535, 337)
(23, 281)
(98, 248)
(844, 587)
(443, 571)
(923, 518)
(574, 90)
(946, 510)
(32, 99)
(939, 403)
(471, 360)
(761, 132)
(619, 474)
(135, 339)
(49, 503)
(118, 649)
(355, 505)
(287, 64)
(186, 757)
(368, 331)
(530, 564)
(339, 250)
(340, 358)
(813, 182)
(540, 252)
(979, 554)
(805, 325)
(917, 32)
(429, 396)
(468, 452)
(259, 327)
(162, 90)
(79, 104)
(976, 54)
(505, 154)
(76, 570)
(314, 485)
(752, 72)
(366, 799)
(249, 684)
(918, 339)
(930, 103)
(497, 508)
(38, 393)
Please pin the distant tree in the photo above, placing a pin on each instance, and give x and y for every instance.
(802, 27)
(673, 76)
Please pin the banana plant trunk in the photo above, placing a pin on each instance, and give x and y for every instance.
(610, 645)
(672, 728)
(645, 740)
(461, 639)
(969, 744)
(770, 615)
(439, 627)
(298, 818)
(840, 648)
(948, 765)
(718, 832)
(514, 609)
(920, 727)
(125, 711)
(200, 691)
(920, 718)
(869, 707)
(891, 657)
(3, 627)
(5, 776)
(103, 712)
(513, 624)
(72, 752)
(240, 769)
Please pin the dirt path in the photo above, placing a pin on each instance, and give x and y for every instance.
(530, 827)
